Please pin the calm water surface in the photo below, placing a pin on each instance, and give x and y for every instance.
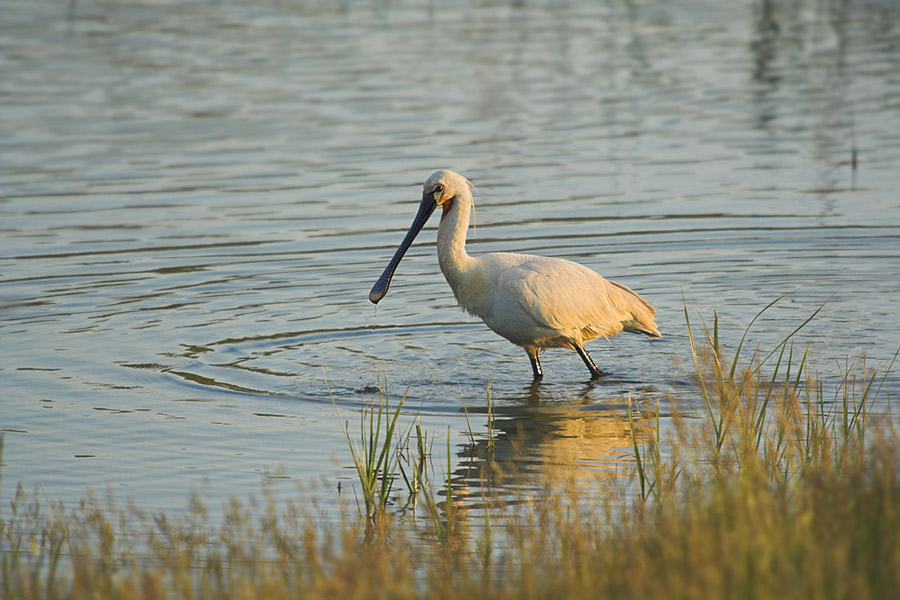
(195, 198)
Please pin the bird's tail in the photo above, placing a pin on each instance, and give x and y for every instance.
(640, 327)
(642, 320)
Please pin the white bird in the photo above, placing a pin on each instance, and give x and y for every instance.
(533, 301)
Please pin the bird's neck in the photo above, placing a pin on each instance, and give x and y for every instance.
(451, 240)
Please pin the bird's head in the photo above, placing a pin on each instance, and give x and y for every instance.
(443, 186)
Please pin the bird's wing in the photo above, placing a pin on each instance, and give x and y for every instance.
(567, 297)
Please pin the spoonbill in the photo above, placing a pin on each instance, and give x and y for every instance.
(535, 302)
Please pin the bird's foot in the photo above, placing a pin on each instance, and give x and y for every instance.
(597, 374)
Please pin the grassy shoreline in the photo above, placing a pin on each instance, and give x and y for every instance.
(777, 490)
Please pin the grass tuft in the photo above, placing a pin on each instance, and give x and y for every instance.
(376, 457)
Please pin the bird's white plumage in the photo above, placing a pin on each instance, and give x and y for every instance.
(533, 301)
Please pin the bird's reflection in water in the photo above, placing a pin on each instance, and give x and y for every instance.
(538, 437)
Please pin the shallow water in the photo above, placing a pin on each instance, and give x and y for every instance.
(195, 199)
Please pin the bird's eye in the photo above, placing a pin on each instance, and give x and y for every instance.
(438, 188)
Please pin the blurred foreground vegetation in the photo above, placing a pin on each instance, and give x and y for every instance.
(778, 489)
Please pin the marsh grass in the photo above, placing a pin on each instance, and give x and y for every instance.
(782, 486)
(376, 454)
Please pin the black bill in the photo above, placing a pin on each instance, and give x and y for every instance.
(379, 290)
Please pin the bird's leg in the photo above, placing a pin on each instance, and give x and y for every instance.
(535, 358)
(595, 372)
